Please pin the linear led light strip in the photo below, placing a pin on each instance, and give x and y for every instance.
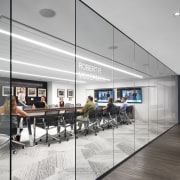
(53, 69)
(37, 75)
(68, 53)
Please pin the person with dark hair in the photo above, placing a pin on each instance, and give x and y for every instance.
(61, 102)
(134, 94)
(109, 106)
(40, 104)
(85, 110)
(108, 94)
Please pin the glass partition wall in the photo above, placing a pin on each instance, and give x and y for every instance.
(43, 64)
(65, 51)
(5, 91)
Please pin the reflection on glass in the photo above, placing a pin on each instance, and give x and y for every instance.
(43, 63)
(4, 93)
(123, 96)
(94, 153)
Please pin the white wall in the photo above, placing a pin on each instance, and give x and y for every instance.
(141, 109)
(52, 92)
(148, 107)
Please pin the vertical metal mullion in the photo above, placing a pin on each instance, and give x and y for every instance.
(10, 174)
(75, 86)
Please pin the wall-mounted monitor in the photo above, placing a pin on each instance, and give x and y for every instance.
(101, 95)
(133, 95)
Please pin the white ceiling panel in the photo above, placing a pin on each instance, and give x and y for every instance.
(150, 23)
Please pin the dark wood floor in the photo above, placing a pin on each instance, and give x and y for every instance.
(158, 161)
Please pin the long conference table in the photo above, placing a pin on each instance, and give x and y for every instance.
(40, 113)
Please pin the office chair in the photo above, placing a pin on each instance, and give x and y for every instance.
(110, 118)
(124, 117)
(99, 118)
(91, 123)
(50, 121)
(130, 112)
(66, 120)
(5, 131)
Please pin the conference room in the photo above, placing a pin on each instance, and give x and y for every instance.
(64, 51)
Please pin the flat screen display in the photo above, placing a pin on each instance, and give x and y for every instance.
(101, 95)
(133, 95)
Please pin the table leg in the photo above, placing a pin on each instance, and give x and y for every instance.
(34, 130)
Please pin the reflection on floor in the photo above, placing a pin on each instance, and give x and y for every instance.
(94, 154)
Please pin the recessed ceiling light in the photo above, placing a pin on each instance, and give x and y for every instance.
(48, 13)
(113, 47)
(177, 13)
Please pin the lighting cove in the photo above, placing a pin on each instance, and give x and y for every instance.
(68, 53)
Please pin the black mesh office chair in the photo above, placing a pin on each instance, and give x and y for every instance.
(124, 117)
(130, 113)
(110, 118)
(91, 123)
(67, 120)
(50, 121)
(99, 118)
(5, 131)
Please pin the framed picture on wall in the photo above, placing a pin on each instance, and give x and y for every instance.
(70, 93)
(60, 92)
(41, 92)
(32, 92)
(6, 91)
(20, 89)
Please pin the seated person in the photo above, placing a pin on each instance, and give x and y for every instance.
(85, 110)
(109, 106)
(16, 111)
(61, 102)
(40, 104)
(123, 105)
(5, 108)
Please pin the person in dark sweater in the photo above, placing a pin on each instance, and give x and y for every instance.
(109, 106)
(40, 104)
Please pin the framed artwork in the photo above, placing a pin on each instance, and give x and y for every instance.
(70, 93)
(41, 92)
(18, 89)
(6, 91)
(32, 92)
(60, 92)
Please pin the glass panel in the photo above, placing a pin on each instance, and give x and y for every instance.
(123, 83)
(94, 66)
(123, 49)
(141, 59)
(44, 65)
(161, 98)
(168, 85)
(5, 90)
(107, 64)
(142, 109)
(153, 120)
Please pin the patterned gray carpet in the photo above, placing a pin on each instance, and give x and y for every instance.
(94, 154)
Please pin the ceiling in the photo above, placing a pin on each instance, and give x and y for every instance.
(149, 23)
(39, 62)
